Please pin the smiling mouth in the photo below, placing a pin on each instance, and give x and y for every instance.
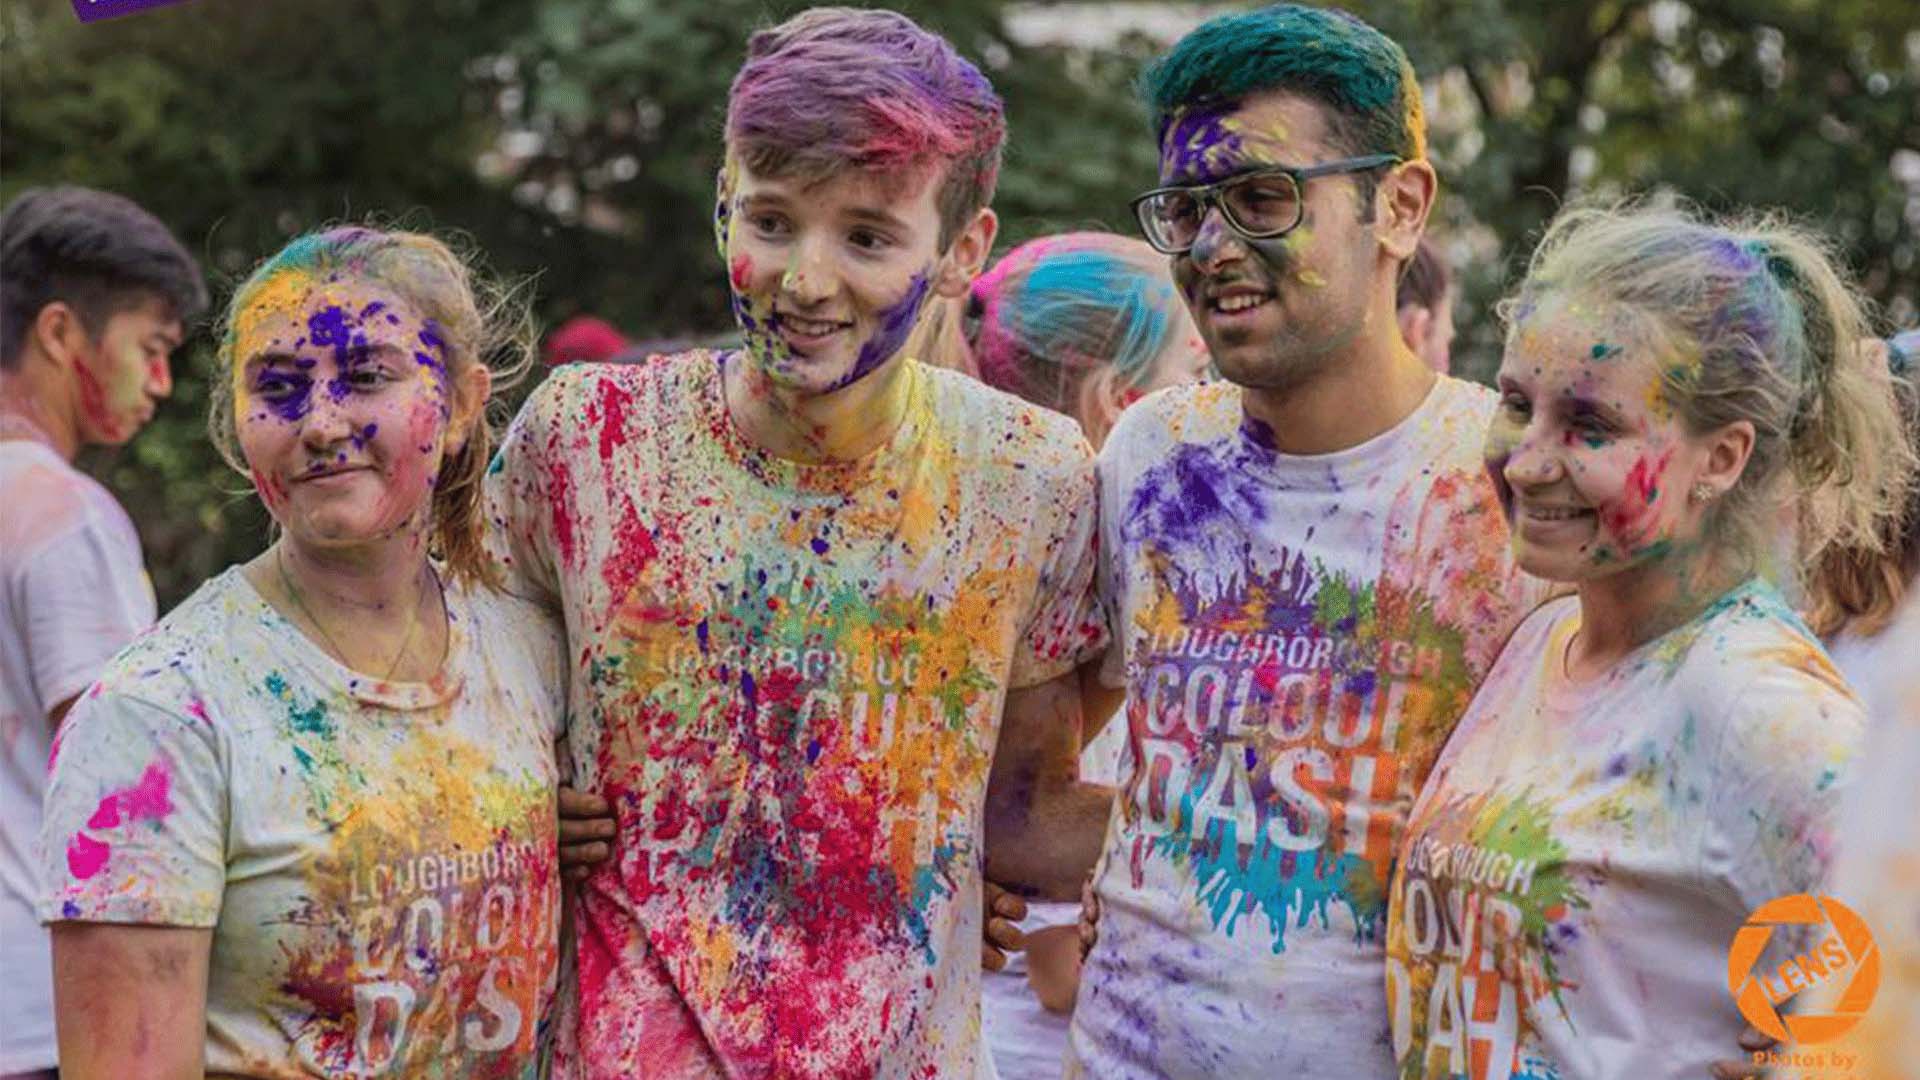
(1552, 514)
(805, 329)
(325, 471)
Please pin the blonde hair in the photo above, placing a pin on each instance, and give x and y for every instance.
(1756, 323)
(481, 321)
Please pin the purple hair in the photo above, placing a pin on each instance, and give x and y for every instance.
(833, 88)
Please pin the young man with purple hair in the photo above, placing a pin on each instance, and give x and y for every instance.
(1306, 566)
(825, 604)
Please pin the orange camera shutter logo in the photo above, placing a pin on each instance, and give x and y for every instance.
(1846, 952)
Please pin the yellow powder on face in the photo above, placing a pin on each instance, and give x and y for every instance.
(281, 294)
(1311, 278)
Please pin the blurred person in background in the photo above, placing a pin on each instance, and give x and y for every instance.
(1084, 324)
(1424, 305)
(96, 295)
(582, 339)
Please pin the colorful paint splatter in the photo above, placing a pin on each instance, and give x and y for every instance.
(1300, 635)
(788, 679)
(1584, 852)
(377, 861)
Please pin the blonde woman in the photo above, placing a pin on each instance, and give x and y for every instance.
(306, 826)
(1654, 757)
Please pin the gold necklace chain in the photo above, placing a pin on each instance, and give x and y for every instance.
(413, 621)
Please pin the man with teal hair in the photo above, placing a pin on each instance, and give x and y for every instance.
(1305, 566)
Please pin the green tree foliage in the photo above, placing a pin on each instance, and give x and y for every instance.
(576, 141)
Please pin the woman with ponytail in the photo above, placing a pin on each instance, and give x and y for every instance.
(1657, 755)
(305, 826)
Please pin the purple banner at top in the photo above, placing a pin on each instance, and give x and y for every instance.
(95, 10)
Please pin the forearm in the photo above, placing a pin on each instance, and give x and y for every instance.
(1047, 847)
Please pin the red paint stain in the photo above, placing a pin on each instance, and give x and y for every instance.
(1632, 520)
(560, 501)
(741, 272)
(93, 403)
(633, 552)
(609, 414)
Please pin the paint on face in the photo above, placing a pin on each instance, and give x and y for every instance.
(125, 371)
(1272, 311)
(896, 323)
(1585, 449)
(342, 404)
(827, 280)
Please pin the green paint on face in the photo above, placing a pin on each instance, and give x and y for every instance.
(1604, 351)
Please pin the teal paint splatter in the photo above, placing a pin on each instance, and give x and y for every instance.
(1604, 351)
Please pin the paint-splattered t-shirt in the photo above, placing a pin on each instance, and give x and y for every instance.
(788, 679)
(72, 593)
(1584, 852)
(377, 861)
(1300, 635)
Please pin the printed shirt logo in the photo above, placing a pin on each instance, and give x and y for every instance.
(1473, 954)
(1282, 712)
(1845, 951)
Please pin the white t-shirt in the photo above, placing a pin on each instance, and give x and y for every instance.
(1584, 853)
(1877, 873)
(72, 593)
(788, 681)
(377, 861)
(1299, 636)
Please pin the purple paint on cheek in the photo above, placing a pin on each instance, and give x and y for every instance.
(896, 323)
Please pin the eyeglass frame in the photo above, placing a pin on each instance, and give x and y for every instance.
(1208, 195)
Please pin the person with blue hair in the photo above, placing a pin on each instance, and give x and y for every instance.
(1082, 323)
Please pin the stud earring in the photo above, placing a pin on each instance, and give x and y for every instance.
(1703, 492)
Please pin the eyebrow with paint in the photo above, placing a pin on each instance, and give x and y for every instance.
(382, 351)
(881, 218)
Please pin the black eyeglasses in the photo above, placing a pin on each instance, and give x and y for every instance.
(1260, 205)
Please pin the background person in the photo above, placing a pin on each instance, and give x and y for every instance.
(94, 297)
(1083, 324)
(1424, 306)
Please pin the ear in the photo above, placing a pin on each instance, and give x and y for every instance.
(1102, 397)
(470, 393)
(967, 255)
(1401, 202)
(1727, 453)
(723, 204)
(58, 333)
(1416, 322)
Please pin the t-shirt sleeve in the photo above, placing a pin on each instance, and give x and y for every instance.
(136, 817)
(1066, 626)
(522, 502)
(1110, 580)
(83, 596)
(1785, 750)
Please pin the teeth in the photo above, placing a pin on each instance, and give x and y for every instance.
(1545, 513)
(1239, 302)
(809, 327)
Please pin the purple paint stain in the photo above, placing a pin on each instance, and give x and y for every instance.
(896, 323)
(1194, 137)
(1617, 766)
(700, 634)
(819, 546)
(1195, 493)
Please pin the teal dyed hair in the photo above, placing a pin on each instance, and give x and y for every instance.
(1056, 309)
(1361, 75)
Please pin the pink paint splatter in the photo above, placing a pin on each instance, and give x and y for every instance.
(741, 273)
(85, 856)
(147, 799)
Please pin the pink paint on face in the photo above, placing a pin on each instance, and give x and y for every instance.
(146, 799)
(120, 380)
(1584, 450)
